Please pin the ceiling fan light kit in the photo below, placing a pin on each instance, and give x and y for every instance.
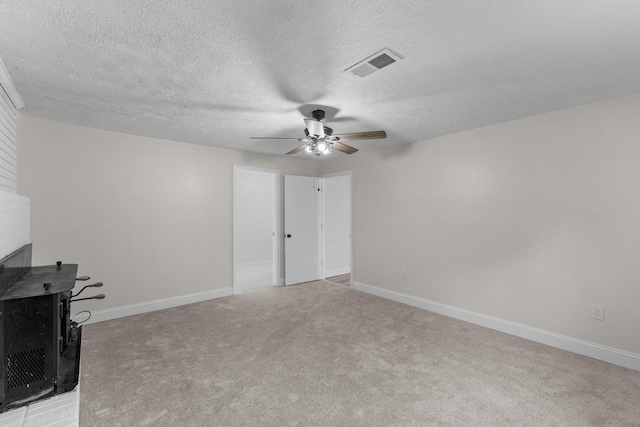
(319, 140)
(318, 148)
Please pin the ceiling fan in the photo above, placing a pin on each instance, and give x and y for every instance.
(320, 140)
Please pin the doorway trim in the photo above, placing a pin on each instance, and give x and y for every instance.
(276, 221)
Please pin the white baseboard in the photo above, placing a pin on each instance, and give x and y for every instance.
(254, 264)
(159, 304)
(337, 272)
(596, 351)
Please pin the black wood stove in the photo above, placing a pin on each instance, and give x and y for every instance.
(39, 343)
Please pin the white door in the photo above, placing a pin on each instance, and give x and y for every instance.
(336, 229)
(254, 228)
(301, 229)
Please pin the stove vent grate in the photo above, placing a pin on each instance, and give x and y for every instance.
(26, 367)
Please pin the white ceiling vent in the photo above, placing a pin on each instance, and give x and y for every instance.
(375, 62)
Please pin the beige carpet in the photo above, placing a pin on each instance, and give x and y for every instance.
(322, 354)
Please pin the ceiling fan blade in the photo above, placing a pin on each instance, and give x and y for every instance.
(340, 119)
(359, 136)
(297, 149)
(268, 137)
(343, 147)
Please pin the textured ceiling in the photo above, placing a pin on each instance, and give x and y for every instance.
(218, 72)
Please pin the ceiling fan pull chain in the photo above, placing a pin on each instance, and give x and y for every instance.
(315, 170)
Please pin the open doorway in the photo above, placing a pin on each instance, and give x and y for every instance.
(337, 205)
(318, 228)
(255, 223)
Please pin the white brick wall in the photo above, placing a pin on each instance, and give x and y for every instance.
(14, 209)
(15, 215)
(8, 157)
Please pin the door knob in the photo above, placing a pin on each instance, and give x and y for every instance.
(288, 236)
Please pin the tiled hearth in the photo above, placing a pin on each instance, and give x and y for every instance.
(62, 410)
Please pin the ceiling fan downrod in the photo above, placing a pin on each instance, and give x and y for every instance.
(318, 114)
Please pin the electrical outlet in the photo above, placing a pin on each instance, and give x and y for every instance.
(403, 273)
(597, 311)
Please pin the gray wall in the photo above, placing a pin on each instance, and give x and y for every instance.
(529, 221)
(150, 218)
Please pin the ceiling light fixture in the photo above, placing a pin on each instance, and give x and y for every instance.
(318, 147)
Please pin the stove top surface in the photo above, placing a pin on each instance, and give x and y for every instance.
(18, 279)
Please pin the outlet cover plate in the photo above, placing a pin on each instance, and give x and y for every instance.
(597, 311)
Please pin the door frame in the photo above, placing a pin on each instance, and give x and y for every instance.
(276, 221)
(323, 220)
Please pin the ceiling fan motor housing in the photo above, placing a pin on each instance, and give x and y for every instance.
(317, 114)
(327, 131)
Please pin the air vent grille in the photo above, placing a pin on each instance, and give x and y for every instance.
(364, 70)
(374, 62)
(382, 61)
